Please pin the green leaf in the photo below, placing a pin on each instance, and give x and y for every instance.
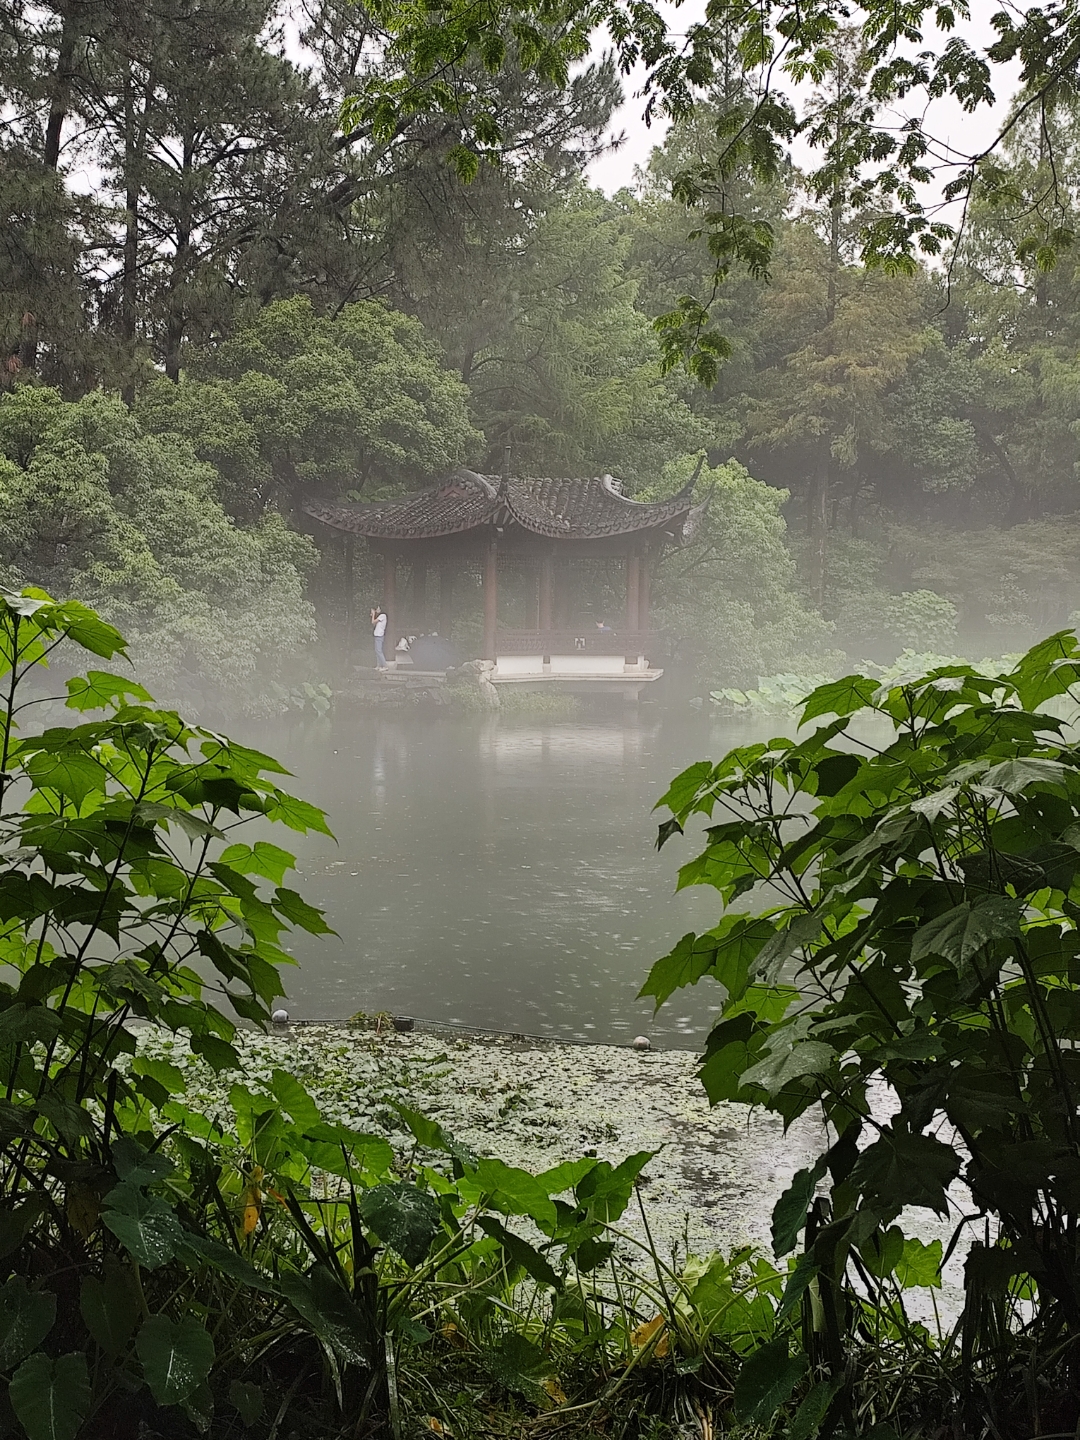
(205, 1250)
(296, 814)
(143, 1224)
(726, 954)
(766, 1381)
(840, 697)
(605, 1190)
(260, 859)
(299, 912)
(26, 1317)
(1010, 777)
(70, 773)
(110, 1306)
(789, 1212)
(903, 1167)
(515, 1192)
(808, 1417)
(217, 1053)
(137, 1166)
(51, 1397)
(176, 1356)
(786, 1061)
(319, 1299)
(292, 1097)
(404, 1217)
(519, 1365)
(919, 1265)
(98, 690)
(962, 932)
(247, 1398)
(520, 1252)
(774, 954)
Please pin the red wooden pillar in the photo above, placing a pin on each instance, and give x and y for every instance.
(633, 590)
(389, 601)
(491, 597)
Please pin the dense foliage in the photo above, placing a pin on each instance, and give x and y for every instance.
(328, 300)
(907, 963)
(91, 502)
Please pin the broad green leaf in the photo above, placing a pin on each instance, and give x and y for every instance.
(98, 690)
(782, 945)
(262, 859)
(71, 773)
(146, 1227)
(246, 1397)
(789, 1212)
(606, 1190)
(26, 1317)
(962, 932)
(766, 1381)
(882, 1249)
(292, 1096)
(88, 629)
(299, 912)
(404, 1217)
(51, 1397)
(176, 1356)
(319, 1299)
(1011, 777)
(110, 1306)
(726, 954)
(136, 1165)
(905, 1168)
(296, 814)
(785, 1062)
(515, 1362)
(840, 697)
(808, 1417)
(566, 1176)
(217, 1053)
(514, 1192)
(919, 1265)
(520, 1252)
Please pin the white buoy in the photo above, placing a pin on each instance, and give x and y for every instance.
(642, 1042)
(281, 1017)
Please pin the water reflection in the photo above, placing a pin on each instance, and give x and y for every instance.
(497, 874)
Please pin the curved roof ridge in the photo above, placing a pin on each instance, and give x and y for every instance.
(555, 507)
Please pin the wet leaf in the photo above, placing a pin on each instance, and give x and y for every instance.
(51, 1397)
(176, 1356)
(26, 1317)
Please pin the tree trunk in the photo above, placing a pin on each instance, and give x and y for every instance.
(59, 101)
(176, 322)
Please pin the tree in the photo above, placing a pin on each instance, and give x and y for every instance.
(298, 404)
(95, 505)
(729, 597)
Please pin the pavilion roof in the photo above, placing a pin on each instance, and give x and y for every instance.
(559, 509)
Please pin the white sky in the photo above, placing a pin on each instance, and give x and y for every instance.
(945, 118)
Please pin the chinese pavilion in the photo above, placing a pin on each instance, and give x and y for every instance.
(481, 522)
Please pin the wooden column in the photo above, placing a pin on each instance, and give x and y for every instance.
(633, 590)
(491, 597)
(419, 595)
(547, 588)
(446, 598)
(389, 600)
(643, 592)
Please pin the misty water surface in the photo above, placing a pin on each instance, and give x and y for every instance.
(498, 873)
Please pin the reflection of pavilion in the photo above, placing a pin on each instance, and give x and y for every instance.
(477, 522)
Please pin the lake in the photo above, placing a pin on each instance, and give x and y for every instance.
(498, 873)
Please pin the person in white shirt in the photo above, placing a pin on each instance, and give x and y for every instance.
(378, 628)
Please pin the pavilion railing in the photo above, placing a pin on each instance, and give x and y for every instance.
(587, 639)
